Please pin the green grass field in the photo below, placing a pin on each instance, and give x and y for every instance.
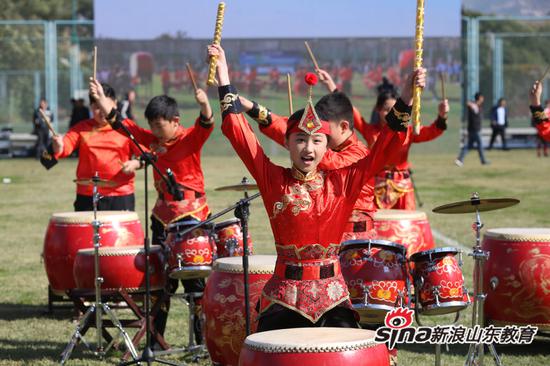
(29, 337)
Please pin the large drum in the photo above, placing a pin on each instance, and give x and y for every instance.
(120, 268)
(314, 347)
(68, 232)
(516, 276)
(191, 253)
(229, 238)
(438, 282)
(408, 228)
(223, 304)
(377, 277)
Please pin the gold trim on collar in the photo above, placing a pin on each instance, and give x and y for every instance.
(297, 174)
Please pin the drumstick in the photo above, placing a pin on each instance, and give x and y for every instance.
(47, 120)
(442, 79)
(191, 76)
(95, 63)
(289, 85)
(545, 73)
(312, 56)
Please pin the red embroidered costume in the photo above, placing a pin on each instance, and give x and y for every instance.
(393, 188)
(360, 224)
(541, 121)
(308, 215)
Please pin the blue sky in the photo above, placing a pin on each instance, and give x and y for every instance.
(145, 19)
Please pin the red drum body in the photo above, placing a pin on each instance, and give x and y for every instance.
(408, 228)
(377, 277)
(516, 276)
(229, 239)
(223, 304)
(438, 281)
(120, 268)
(314, 347)
(68, 232)
(191, 253)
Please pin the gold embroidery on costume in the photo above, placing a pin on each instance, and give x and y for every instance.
(46, 155)
(262, 114)
(227, 101)
(404, 117)
(539, 116)
(299, 199)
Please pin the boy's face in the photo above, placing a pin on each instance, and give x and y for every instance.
(164, 130)
(306, 151)
(98, 114)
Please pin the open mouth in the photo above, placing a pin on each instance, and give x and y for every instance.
(308, 160)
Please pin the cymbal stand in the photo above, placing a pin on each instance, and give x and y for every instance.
(476, 351)
(98, 307)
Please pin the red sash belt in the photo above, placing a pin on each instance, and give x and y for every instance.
(307, 270)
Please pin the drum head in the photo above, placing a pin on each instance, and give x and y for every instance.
(375, 243)
(309, 340)
(396, 215)
(228, 222)
(86, 217)
(178, 226)
(534, 234)
(257, 264)
(120, 251)
(420, 256)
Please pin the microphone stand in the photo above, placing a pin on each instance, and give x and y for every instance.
(242, 211)
(148, 355)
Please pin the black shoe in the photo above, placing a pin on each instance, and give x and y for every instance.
(486, 162)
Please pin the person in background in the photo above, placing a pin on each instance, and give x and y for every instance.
(475, 112)
(40, 128)
(499, 122)
(125, 106)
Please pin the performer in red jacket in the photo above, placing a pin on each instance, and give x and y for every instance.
(308, 208)
(179, 149)
(103, 151)
(540, 119)
(393, 187)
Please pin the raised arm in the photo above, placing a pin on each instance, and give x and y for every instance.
(238, 131)
(436, 129)
(540, 119)
(272, 125)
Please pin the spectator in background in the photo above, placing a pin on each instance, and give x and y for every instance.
(274, 76)
(40, 128)
(346, 77)
(475, 113)
(125, 106)
(499, 122)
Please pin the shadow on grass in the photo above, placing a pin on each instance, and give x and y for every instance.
(9, 311)
(541, 346)
(28, 350)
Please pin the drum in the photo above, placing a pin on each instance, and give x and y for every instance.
(377, 277)
(68, 232)
(408, 228)
(516, 276)
(229, 238)
(314, 347)
(223, 304)
(120, 268)
(191, 253)
(438, 282)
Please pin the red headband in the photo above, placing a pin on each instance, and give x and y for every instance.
(310, 122)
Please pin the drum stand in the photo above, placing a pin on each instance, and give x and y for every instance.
(475, 352)
(98, 307)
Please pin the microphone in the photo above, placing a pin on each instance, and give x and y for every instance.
(173, 186)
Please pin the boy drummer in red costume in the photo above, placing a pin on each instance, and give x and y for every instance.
(540, 118)
(308, 208)
(179, 149)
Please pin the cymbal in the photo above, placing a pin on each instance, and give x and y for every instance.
(476, 204)
(238, 187)
(100, 182)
